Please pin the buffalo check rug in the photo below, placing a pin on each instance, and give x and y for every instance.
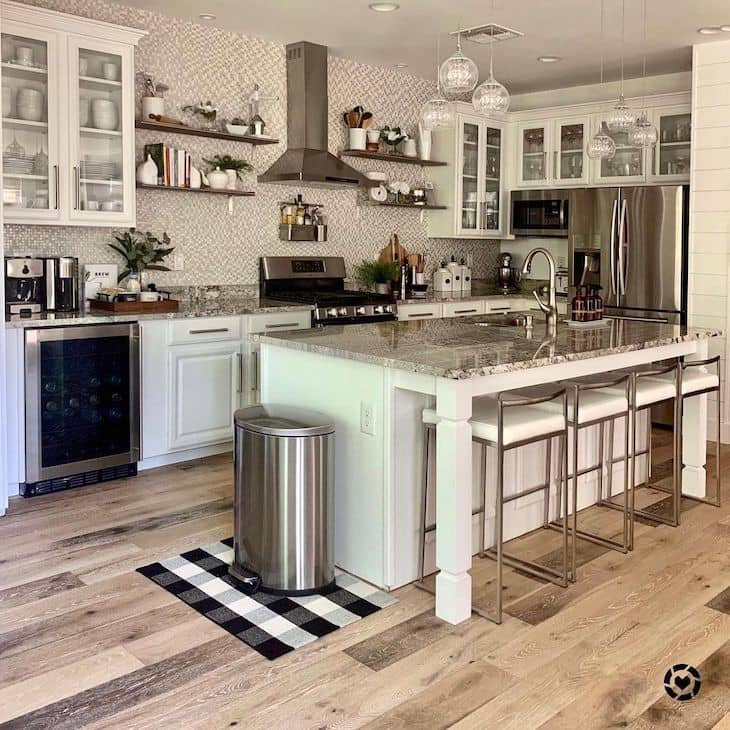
(271, 624)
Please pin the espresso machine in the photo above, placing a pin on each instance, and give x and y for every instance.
(61, 284)
(508, 277)
(24, 291)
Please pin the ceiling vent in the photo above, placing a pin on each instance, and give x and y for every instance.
(488, 33)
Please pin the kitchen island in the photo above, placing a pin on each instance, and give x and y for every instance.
(374, 380)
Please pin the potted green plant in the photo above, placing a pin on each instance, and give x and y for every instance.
(377, 274)
(141, 252)
(233, 168)
(392, 136)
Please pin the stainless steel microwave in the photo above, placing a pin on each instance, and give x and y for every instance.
(540, 213)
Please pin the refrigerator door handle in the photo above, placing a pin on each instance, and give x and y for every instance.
(623, 245)
(612, 251)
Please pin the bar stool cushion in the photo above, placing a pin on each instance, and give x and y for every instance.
(650, 390)
(520, 422)
(593, 405)
(693, 380)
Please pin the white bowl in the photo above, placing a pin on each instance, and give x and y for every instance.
(238, 129)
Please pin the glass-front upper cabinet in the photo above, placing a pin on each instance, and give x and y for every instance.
(101, 174)
(532, 154)
(628, 165)
(30, 124)
(569, 155)
(491, 219)
(671, 155)
(469, 176)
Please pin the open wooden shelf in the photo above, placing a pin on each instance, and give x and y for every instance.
(208, 191)
(210, 133)
(411, 205)
(386, 157)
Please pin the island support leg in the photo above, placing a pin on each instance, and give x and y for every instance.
(453, 500)
(694, 437)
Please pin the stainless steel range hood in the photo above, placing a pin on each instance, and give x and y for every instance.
(307, 161)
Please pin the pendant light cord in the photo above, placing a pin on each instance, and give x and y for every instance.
(438, 67)
(491, 47)
(623, 41)
(643, 67)
(602, 41)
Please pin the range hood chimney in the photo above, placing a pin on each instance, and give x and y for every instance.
(307, 161)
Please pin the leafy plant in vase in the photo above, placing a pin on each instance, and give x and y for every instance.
(377, 275)
(392, 136)
(225, 171)
(141, 252)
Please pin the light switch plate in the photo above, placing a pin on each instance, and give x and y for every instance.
(367, 418)
(99, 276)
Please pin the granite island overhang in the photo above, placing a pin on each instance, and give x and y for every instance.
(374, 380)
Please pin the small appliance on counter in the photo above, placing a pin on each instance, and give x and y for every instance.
(508, 277)
(61, 284)
(24, 291)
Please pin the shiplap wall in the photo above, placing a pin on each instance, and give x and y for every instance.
(709, 244)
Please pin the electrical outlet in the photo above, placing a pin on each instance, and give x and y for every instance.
(367, 418)
(177, 262)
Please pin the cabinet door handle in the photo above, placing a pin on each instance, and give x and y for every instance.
(239, 358)
(555, 164)
(212, 331)
(77, 188)
(255, 366)
(56, 184)
(281, 325)
(465, 311)
(499, 309)
(424, 314)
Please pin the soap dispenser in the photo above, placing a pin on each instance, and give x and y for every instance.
(465, 272)
(455, 270)
(442, 279)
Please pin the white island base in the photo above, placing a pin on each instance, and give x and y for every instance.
(376, 410)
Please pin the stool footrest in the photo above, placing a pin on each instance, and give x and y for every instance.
(526, 492)
(539, 571)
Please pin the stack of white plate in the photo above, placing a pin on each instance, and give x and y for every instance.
(29, 105)
(104, 114)
(92, 169)
(17, 164)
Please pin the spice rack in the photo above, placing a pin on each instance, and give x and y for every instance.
(301, 221)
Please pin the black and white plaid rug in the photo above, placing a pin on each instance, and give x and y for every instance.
(273, 625)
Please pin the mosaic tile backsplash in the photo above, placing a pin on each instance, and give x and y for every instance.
(201, 63)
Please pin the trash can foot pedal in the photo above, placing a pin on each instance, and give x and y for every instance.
(248, 581)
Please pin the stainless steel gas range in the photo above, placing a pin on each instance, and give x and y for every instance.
(320, 281)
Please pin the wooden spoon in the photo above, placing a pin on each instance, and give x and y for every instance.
(366, 119)
(352, 119)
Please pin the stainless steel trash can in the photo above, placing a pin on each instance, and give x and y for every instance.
(284, 502)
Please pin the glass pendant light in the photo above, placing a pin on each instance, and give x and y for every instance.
(490, 97)
(621, 118)
(601, 146)
(643, 133)
(458, 74)
(437, 112)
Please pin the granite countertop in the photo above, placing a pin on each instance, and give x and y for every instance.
(220, 307)
(459, 348)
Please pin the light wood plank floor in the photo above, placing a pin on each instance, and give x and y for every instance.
(87, 642)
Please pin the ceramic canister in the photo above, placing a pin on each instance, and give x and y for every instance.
(154, 105)
(104, 114)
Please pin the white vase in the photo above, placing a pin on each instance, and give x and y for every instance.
(217, 179)
(409, 148)
(152, 105)
(424, 142)
(147, 172)
(232, 179)
(196, 179)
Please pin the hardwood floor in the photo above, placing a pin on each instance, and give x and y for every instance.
(87, 642)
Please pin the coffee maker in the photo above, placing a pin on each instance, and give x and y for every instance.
(24, 293)
(507, 277)
(61, 284)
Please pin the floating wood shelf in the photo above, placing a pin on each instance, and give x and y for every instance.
(209, 191)
(385, 157)
(412, 205)
(210, 133)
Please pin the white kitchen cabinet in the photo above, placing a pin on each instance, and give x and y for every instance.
(205, 390)
(570, 161)
(466, 308)
(427, 310)
(627, 167)
(68, 112)
(533, 150)
(471, 184)
(671, 157)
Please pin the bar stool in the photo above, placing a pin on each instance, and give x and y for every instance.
(508, 422)
(597, 401)
(694, 380)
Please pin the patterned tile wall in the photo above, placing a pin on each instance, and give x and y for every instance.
(200, 63)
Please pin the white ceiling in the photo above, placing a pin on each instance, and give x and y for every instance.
(567, 28)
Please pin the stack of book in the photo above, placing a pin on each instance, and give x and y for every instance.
(173, 165)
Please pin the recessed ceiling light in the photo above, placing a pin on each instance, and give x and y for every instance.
(549, 59)
(207, 16)
(383, 7)
(400, 65)
(725, 28)
(710, 30)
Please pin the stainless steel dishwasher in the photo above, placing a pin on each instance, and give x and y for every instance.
(82, 395)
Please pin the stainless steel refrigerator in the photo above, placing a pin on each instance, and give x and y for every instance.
(632, 242)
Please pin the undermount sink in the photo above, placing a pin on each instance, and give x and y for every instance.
(508, 319)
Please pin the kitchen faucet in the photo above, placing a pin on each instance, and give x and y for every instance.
(550, 309)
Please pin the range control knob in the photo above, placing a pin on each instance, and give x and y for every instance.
(342, 311)
(332, 312)
(360, 311)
